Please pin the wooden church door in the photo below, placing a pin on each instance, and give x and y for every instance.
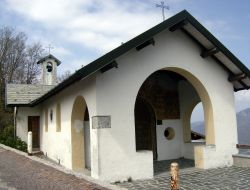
(34, 127)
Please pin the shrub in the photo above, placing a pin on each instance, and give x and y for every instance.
(7, 138)
(7, 132)
(21, 145)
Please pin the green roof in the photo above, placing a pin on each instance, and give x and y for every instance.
(183, 21)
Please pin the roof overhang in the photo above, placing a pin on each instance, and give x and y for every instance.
(210, 47)
(50, 56)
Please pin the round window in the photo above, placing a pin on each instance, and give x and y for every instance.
(169, 133)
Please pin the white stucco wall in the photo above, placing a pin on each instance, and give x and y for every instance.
(170, 50)
(57, 145)
(22, 120)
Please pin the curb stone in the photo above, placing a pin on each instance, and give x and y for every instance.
(64, 170)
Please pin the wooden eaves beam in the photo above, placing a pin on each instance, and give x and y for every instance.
(178, 25)
(238, 77)
(145, 44)
(206, 53)
(109, 66)
(243, 88)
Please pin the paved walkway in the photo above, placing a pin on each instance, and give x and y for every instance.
(228, 178)
(21, 173)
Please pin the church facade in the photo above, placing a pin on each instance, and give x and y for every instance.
(132, 107)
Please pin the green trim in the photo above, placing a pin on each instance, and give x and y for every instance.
(104, 60)
(19, 105)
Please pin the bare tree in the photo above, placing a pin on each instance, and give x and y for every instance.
(29, 70)
(63, 76)
(17, 61)
(12, 53)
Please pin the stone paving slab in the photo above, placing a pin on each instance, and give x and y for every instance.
(59, 168)
(21, 173)
(228, 178)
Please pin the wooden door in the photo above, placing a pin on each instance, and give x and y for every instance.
(34, 127)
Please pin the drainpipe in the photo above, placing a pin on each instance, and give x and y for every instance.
(15, 115)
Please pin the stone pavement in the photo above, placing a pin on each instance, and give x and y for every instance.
(21, 173)
(228, 178)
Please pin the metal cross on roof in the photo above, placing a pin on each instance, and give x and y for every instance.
(49, 48)
(163, 7)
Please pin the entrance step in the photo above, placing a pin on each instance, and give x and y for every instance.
(241, 160)
(36, 152)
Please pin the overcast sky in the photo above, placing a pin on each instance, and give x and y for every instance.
(82, 30)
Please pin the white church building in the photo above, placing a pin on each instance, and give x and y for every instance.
(131, 107)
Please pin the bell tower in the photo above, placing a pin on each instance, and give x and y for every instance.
(49, 69)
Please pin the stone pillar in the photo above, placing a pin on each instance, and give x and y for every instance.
(29, 143)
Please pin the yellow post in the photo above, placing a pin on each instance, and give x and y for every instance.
(174, 172)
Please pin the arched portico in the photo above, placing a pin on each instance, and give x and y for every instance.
(172, 111)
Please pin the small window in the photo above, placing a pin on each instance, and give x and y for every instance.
(46, 120)
(58, 118)
(159, 122)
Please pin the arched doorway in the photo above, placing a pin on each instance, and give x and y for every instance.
(145, 125)
(80, 135)
(171, 96)
(87, 140)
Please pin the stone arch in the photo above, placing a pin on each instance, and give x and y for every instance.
(77, 133)
(204, 97)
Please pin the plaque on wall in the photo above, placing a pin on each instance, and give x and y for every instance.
(100, 122)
